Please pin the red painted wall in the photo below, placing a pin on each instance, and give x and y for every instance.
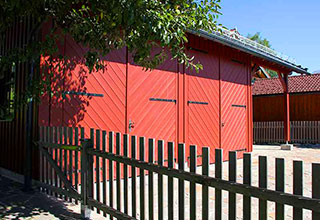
(303, 107)
(158, 101)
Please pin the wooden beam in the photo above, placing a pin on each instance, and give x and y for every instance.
(286, 109)
(58, 171)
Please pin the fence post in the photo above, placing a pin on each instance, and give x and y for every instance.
(86, 162)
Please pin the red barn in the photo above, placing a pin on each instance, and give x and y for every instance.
(210, 108)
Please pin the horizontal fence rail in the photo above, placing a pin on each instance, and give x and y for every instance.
(137, 178)
(304, 132)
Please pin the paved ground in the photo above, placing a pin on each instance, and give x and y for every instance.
(15, 204)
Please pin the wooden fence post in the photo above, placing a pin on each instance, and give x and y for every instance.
(86, 164)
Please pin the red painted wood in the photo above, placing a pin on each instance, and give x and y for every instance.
(153, 119)
(107, 112)
(234, 130)
(286, 110)
(203, 120)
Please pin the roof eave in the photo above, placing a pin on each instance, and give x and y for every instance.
(251, 51)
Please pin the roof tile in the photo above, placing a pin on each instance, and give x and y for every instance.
(303, 83)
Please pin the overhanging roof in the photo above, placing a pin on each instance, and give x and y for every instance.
(252, 48)
(296, 84)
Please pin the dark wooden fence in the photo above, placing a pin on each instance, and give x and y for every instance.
(89, 171)
(301, 132)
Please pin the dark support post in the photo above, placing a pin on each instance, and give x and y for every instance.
(86, 166)
(29, 128)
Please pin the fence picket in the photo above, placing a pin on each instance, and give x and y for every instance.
(205, 188)
(150, 183)
(48, 166)
(91, 168)
(61, 156)
(76, 160)
(70, 158)
(41, 157)
(160, 179)
(104, 173)
(218, 175)
(297, 186)
(58, 139)
(51, 152)
(65, 154)
(97, 168)
(315, 187)
(181, 156)
(125, 173)
(247, 181)
(142, 195)
(133, 177)
(232, 177)
(170, 181)
(118, 173)
(55, 140)
(111, 145)
(193, 192)
(263, 183)
(280, 186)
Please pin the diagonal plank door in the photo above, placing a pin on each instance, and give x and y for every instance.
(202, 107)
(234, 133)
(152, 101)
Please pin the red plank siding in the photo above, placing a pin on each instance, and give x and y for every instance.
(303, 107)
(234, 130)
(203, 119)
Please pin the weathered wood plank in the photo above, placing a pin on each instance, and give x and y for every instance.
(218, 175)
(111, 167)
(151, 144)
(193, 192)
(181, 157)
(133, 176)
(160, 179)
(297, 187)
(263, 178)
(104, 171)
(280, 174)
(142, 175)
(170, 181)
(125, 173)
(205, 188)
(247, 181)
(316, 188)
(233, 187)
(118, 173)
(232, 178)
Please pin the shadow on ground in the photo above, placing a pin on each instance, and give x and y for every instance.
(16, 204)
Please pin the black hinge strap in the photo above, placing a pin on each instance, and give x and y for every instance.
(163, 100)
(239, 106)
(199, 103)
(82, 93)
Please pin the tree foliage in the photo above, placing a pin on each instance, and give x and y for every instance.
(259, 39)
(265, 42)
(106, 25)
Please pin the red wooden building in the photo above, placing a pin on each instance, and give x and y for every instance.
(210, 108)
(304, 99)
